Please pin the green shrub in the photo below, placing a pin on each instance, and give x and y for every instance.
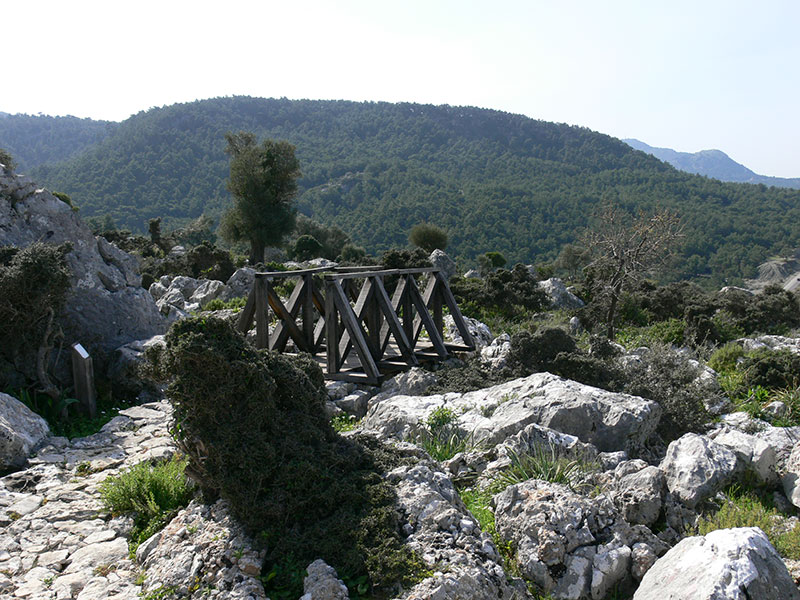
(770, 369)
(532, 352)
(232, 304)
(668, 378)
(747, 509)
(440, 437)
(152, 493)
(253, 426)
(7, 160)
(543, 463)
(306, 247)
(724, 359)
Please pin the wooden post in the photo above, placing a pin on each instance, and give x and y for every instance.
(83, 375)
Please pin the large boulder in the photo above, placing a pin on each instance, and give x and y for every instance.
(106, 305)
(727, 564)
(791, 477)
(696, 467)
(480, 332)
(610, 421)
(21, 430)
(755, 455)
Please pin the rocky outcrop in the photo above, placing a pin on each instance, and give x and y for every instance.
(696, 467)
(569, 545)
(443, 533)
(21, 430)
(791, 477)
(106, 306)
(480, 332)
(610, 421)
(728, 564)
(322, 583)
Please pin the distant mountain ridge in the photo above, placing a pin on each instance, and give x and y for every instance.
(712, 163)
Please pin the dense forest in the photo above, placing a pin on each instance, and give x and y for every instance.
(37, 139)
(495, 181)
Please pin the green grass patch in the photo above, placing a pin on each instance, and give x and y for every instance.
(151, 493)
(235, 304)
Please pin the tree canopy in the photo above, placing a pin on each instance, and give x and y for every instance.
(263, 182)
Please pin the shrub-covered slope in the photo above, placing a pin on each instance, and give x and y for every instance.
(493, 180)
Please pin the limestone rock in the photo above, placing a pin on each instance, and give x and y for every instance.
(727, 564)
(640, 495)
(21, 430)
(240, 283)
(443, 532)
(124, 370)
(480, 332)
(771, 342)
(496, 353)
(322, 583)
(609, 421)
(696, 467)
(560, 296)
(569, 545)
(444, 263)
(208, 290)
(791, 479)
(754, 454)
(105, 307)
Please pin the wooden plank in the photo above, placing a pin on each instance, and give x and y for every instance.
(262, 313)
(458, 318)
(394, 325)
(285, 274)
(285, 316)
(307, 296)
(383, 272)
(362, 305)
(248, 313)
(331, 330)
(279, 337)
(425, 320)
(353, 327)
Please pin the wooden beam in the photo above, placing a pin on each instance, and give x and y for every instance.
(279, 337)
(394, 325)
(455, 312)
(261, 312)
(425, 319)
(331, 330)
(353, 327)
(284, 316)
(248, 313)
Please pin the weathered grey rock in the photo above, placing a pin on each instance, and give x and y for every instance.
(791, 477)
(201, 548)
(642, 558)
(443, 532)
(607, 420)
(240, 283)
(157, 290)
(771, 342)
(780, 439)
(355, 404)
(727, 564)
(411, 382)
(569, 545)
(696, 468)
(776, 410)
(208, 290)
(639, 496)
(21, 430)
(322, 583)
(106, 307)
(575, 326)
(754, 454)
(445, 264)
(560, 296)
(125, 368)
(496, 353)
(480, 332)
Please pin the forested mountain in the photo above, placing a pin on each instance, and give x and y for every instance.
(37, 140)
(712, 163)
(495, 181)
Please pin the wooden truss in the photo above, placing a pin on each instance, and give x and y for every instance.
(347, 316)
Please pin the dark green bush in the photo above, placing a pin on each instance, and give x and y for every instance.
(533, 352)
(510, 294)
(668, 378)
(7, 160)
(34, 282)
(253, 426)
(428, 237)
(306, 247)
(770, 369)
(405, 259)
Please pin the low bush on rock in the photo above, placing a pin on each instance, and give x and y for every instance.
(152, 493)
(749, 509)
(253, 426)
(502, 294)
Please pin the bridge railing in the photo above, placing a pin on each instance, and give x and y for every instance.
(347, 314)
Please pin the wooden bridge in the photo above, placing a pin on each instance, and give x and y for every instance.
(346, 320)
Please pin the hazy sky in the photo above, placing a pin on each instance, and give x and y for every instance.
(688, 75)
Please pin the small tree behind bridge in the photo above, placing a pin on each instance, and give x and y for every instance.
(625, 250)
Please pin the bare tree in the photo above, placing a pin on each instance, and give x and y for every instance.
(625, 250)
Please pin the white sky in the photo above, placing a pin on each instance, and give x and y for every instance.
(688, 75)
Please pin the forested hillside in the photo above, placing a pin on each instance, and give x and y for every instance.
(37, 140)
(495, 181)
